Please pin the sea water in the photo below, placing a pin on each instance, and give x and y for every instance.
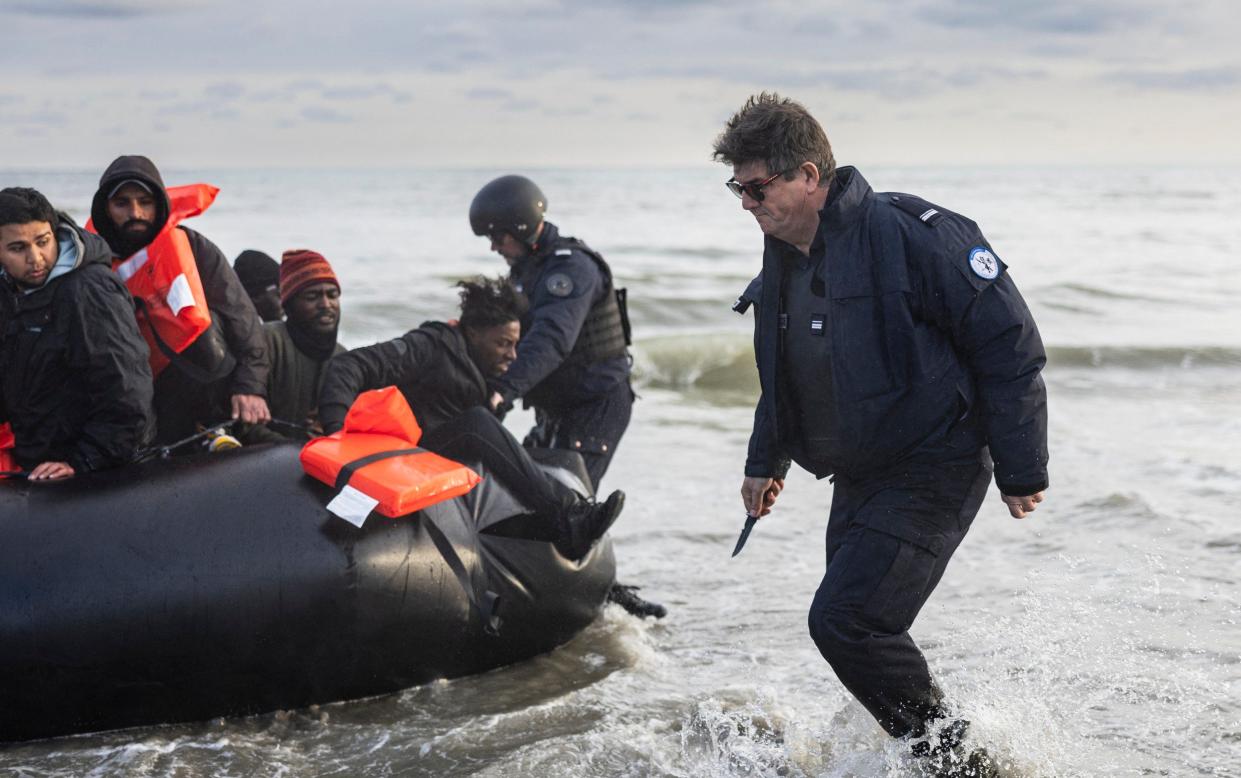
(1099, 637)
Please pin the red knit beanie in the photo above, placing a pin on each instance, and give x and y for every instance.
(299, 268)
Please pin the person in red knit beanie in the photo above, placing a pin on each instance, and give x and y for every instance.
(301, 346)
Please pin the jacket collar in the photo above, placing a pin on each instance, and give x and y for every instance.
(539, 253)
(846, 201)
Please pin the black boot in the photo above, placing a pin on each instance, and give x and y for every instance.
(944, 756)
(585, 522)
(627, 597)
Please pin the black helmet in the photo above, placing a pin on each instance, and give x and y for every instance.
(512, 204)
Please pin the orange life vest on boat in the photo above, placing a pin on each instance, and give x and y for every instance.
(7, 462)
(376, 453)
(163, 278)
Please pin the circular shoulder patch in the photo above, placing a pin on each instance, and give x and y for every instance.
(560, 284)
(983, 263)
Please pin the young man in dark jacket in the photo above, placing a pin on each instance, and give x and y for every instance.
(74, 380)
(300, 347)
(442, 370)
(894, 353)
(130, 208)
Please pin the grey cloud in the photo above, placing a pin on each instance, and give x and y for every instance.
(200, 109)
(358, 92)
(224, 90)
(158, 95)
(1068, 17)
(488, 93)
(186, 108)
(97, 9)
(518, 106)
(41, 119)
(566, 111)
(305, 85)
(1196, 79)
(268, 96)
(324, 114)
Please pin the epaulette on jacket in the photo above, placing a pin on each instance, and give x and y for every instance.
(915, 206)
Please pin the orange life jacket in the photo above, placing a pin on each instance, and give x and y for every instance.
(7, 462)
(163, 278)
(376, 453)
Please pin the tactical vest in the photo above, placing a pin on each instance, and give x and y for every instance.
(605, 333)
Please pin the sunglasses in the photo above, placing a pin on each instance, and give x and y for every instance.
(754, 190)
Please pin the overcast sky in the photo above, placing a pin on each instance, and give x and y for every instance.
(595, 83)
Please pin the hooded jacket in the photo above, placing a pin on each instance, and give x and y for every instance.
(430, 365)
(931, 349)
(74, 379)
(231, 308)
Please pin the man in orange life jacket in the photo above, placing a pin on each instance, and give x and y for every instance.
(74, 380)
(224, 372)
(443, 370)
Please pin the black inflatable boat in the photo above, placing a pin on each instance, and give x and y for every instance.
(218, 585)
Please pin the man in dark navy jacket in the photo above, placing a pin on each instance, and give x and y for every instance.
(895, 354)
(572, 363)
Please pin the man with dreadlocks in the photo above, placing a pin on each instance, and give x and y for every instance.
(443, 368)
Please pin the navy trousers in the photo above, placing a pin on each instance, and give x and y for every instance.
(889, 539)
(593, 429)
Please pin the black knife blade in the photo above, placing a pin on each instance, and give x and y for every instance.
(745, 533)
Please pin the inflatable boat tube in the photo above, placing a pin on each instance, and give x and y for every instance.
(218, 585)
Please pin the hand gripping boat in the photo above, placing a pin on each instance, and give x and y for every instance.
(219, 585)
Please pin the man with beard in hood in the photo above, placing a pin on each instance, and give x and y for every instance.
(74, 381)
(300, 347)
(129, 210)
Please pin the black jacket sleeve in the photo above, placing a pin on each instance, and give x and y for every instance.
(995, 334)
(106, 348)
(233, 310)
(391, 363)
(763, 456)
(556, 319)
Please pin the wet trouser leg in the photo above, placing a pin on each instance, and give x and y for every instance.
(889, 540)
(592, 429)
(477, 435)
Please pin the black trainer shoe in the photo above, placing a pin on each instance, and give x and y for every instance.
(585, 523)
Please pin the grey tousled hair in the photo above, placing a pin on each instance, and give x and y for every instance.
(779, 132)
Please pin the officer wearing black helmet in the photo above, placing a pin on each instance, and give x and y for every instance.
(572, 363)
